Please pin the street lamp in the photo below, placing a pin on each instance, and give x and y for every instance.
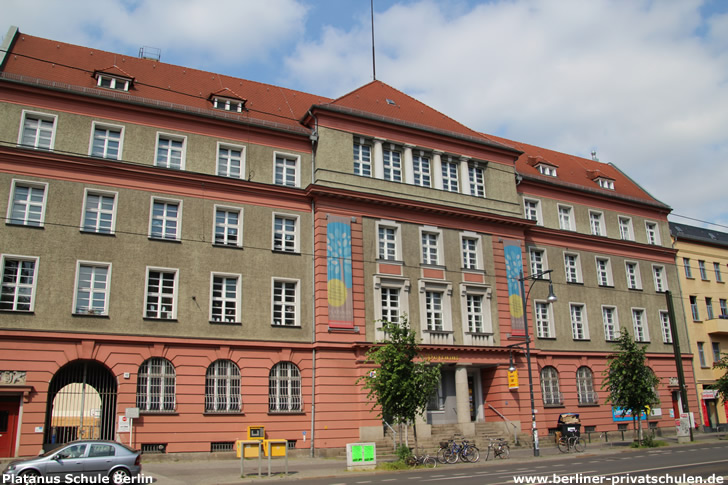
(551, 298)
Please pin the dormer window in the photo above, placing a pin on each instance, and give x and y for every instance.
(548, 170)
(112, 82)
(228, 104)
(605, 183)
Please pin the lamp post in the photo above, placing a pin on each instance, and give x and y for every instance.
(551, 298)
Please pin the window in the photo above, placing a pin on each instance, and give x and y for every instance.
(723, 308)
(165, 219)
(658, 273)
(703, 272)
(639, 323)
(170, 152)
(156, 384)
(611, 323)
(285, 230)
(532, 210)
(285, 303)
(362, 158)
(228, 104)
(538, 260)
(566, 220)
(106, 141)
(222, 387)
(27, 203)
(388, 241)
(476, 175)
(437, 400)
(625, 228)
(390, 301)
(718, 275)
(716, 351)
(604, 272)
(701, 354)
(96, 451)
(286, 170)
(694, 308)
(548, 170)
(422, 170)
(225, 298)
(433, 305)
(550, 386)
(436, 310)
(161, 293)
(585, 386)
(99, 212)
(228, 227)
(653, 234)
(18, 284)
(38, 131)
(92, 289)
(579, 329)
(688, 270)
(284, 388)
(474, 312)
(390, 304)
(632, 270)
(430, 246)
(450, 175)
(392, 163)
(112, 82)
(544, 322)
(709, 308)
(230, 161)
(572, 268)
(596, 222)
(605, 183)
(471, 251)
(665, 326)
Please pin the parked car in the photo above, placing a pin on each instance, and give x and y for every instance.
(89, 458)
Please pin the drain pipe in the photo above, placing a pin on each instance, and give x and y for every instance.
(314, 139)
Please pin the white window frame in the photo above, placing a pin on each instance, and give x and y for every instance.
(637, 283)
(288, 393)
(98, 211)
(445, 311)
(471, 258)
(450, 174)
(170, 150)
(383, 252)
(576, 277)
(548, 170)
(226, 226)
(476, 179)
(228, 104)
(92, 289)
(150, 384)
(610, 321)
(585, 386)
(596, 223)
(108, 81)
(223, 163)
(702, 269)
(640, 326)
(27, 203)
(422, 169)
(222, 387)
(485, 293)
(165, 219)
(283, 234)
(626, 231)
(278, 302)
(160, 313)
(665, 326)
(431, 253)
(544, 321)
(532, 210)
(282, 169)
(39, 129)
(392, 163)
(652, 231)
(237, 299)
(362, 161)
(403, 287)
(659, 277)
(576, 332)
(566, 217)
(550, 386)
(688, 268)
(18, 286)
(605, 183)
(97, 125)
(538, 267)
(718, 274)
(604, 272)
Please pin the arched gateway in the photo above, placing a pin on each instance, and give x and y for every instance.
(81, 404)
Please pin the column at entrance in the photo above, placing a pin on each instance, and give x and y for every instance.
(462, 402)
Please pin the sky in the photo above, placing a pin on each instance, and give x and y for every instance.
(643, 83)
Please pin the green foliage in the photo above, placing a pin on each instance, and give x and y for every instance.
(399, 385)
(631, 385)
(721, 385)
(403, 452)
(648, 441)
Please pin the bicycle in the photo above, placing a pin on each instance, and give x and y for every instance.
(568, 443)
(444, 447)
(426, 460)
(500, 449)
(469, 452)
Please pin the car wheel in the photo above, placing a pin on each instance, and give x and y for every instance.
(120, 475)
(29, 476)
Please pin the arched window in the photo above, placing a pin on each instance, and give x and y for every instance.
(222, 387)
(284, 388)
(550, 386)
(585, 386)
(156, 385)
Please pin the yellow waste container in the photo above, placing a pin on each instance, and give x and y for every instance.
(277, 447)
(249, 447)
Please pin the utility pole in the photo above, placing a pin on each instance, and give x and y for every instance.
(678, 359)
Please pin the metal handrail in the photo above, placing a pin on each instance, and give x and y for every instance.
(515, 428)
(394, 434)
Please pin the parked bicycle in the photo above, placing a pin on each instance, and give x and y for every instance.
(425, 460)
(451, 452)
(569, 443)
(500, 449)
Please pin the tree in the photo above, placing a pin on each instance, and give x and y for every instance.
(631, 385)
(400, 385)
(721, 385)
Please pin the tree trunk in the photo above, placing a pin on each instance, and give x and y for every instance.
(417, 450)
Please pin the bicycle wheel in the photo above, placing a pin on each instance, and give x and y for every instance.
(563, 445)
(441, 455)
(411, 461)
(487, 453)
(579, 444)
(505, 451)
(472, 454)
(430, 462)
(452, 456)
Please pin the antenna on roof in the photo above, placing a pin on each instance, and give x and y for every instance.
(594, 155)
(374, 62)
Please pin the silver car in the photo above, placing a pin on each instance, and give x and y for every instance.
(90, 458)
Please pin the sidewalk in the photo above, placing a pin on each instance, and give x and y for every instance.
(185, 470)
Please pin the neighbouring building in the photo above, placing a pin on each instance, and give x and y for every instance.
(702, 259)
(214, 253)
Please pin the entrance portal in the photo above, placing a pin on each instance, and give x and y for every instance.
(81, 404)
(9, 407)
